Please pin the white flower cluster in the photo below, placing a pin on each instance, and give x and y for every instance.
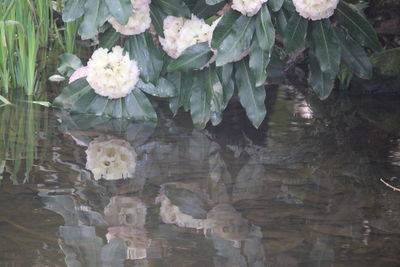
(138, 22)
(180, 33)
(113, 74)
(110, 159)
(248, 7)
(315, 9)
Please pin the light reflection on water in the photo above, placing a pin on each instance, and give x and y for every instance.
(304, 190)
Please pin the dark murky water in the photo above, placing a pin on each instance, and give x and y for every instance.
(303, 190)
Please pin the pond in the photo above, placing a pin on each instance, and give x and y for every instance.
(302, 190)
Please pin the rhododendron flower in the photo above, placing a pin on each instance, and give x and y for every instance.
(110, 159)
(79, 73)
(138, 22)
(315, 9)
(181, 33)
(248, 7)
(112, 74)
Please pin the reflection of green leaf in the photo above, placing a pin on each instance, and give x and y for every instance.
(326, 49)
(79, 97)
(68, 64)
(354, 55)
(121, 10)
(150, 61)
(295, 33)
(357, 26)
(194, 57)
(238, 40)
(251, 97)
(387, 62)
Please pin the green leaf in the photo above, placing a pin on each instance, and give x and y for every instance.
(213, 2)
(173, 7)
(204, 10)
(214, 85)
(157, 19)
(121, 10)
(200, 100)
(73, 9)
(174, 103)
(354, 55)
(225, 76)
(96, 14)
(194, 57)
(109, 38)
(326, 49)
(251, 97)
(321, 82)
(164, 88)
(258, 63)
(79, 97)
(275, 4)
(68, 63)
(224, 28)
(357, 26)
(265, 30)
(295, 33)
(150, 61)
(237, 42)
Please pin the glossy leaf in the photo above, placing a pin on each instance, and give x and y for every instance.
(251, 97)
(173, 7)
(150, 61)
(68, 63)
(157, 19)
(225, 76)
(79, 97)
(224, 28)
(72, 10)
(164, 88)
(96, 14)
(214, 85)
(265, 30)
(354, 55)
(321, 82)
(258, 63)
(121, 10)
(109, 38)
(357, 26)
(214, 2)
(295, 33)
(238, 40)
(200, 100)
(275, 5)
(326, 49)
(203, 10)
(194, 57)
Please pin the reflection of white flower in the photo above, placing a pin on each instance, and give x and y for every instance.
(127, 211)
(112, 74)
(248, 7)
(110, 159)
(138, 22)
(182, 33)
(227, 223)
(315, 9)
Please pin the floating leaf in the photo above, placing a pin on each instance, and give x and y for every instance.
(357, 26)
(251, 97)
(121, 10)
(295, 33)
(354, 55)
(238, 40)
(326, 49)
(194, 57)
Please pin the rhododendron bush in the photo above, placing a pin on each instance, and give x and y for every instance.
(197, 54)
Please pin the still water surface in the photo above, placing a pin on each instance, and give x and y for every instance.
(303, 190)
